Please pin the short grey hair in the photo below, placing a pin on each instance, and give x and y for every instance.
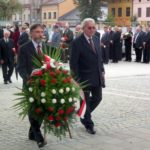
(86, 20)
(6, 31)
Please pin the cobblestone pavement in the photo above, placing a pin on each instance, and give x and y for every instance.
(122, 120)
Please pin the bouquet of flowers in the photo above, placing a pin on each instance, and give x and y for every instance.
(50, 95)
(127, 35)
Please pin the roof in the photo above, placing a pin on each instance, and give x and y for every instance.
(51, 2)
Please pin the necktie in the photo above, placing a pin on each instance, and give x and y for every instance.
(39, 49)
(92, 45)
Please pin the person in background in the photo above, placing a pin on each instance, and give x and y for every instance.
(98, 35)
(46, 34)
(24, 37)
(56, 37)
(128, 44)
(7, 53)
(120, 52)
(146, 44)
(10, 29)
(78, 31)
(138, 43)
(105, 45)
(116, 45)
(27, 26)
(111, 46)
(15, 37)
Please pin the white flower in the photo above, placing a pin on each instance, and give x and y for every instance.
(75, 99)
(70, 99)
(73, 89)
(54, 101)
(30, 89)
(61, 91)
(43, 94)
(62, 101)
(67, 89)
(31, 99)
(52, 63)
(44, 66)
(43, 100)
(53, 91)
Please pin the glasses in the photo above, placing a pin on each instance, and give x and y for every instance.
(91, 28)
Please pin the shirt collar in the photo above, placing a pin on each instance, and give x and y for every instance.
(87, 38)
(36, 44)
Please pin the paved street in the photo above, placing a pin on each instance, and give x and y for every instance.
(122, 120)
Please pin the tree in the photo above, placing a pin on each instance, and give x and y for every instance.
(8, 8)
(89, 8)
(110, 20)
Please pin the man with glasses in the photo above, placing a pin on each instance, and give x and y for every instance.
(86, 65)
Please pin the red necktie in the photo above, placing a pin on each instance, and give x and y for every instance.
(92, 45)
(39, 50)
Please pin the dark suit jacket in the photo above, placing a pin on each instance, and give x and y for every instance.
(84, 63)
(147, 39)
(1, 33)
(25, 60)
(24, 38)
(98, 35)
(6, 52)
(139, 41)
(105, 39)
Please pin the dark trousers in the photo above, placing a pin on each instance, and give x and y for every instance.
(146, 54)
(34, 130)
(128, 52)
(7, 69)
(138, 53)
(93, 96)
(105, 54)
(115, 53)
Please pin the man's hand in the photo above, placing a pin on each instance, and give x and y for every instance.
(1, 61)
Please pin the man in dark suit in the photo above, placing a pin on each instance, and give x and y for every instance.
(128, 43)
(138, 43)
(25, 66)
(24, 37)
(111, 46)
(105, 45)
(7, 53)
(146, 51)
(116, 45)
(86, 65)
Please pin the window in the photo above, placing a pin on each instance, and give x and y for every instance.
(148, 12)
(54, 15)
(49, 15)
(139, 12)
(44, 15)
(113, 11)
(128, 11)
(119, 12)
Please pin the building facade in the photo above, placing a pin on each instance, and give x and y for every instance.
(122, 11)
(52, 10)
(141, 11)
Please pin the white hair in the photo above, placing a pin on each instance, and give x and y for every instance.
(6, 31)
(87, 20)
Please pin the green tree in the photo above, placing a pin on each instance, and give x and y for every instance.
(8, 8)
(89, 8)
(110, 20)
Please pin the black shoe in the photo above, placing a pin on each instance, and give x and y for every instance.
(32, 138)
(9, 81)
(41, 144)
(91, 130)
(5, 82)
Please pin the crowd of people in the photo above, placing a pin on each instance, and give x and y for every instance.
(115, 44)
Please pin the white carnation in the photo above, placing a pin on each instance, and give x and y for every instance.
(31, 99)
(53, 91)
(43, 100)
(62, 101)
(67, 89)
(54, 101)
(70, 99)
(61, 91)
(73, 89)
(30, 89)
(43, 94)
